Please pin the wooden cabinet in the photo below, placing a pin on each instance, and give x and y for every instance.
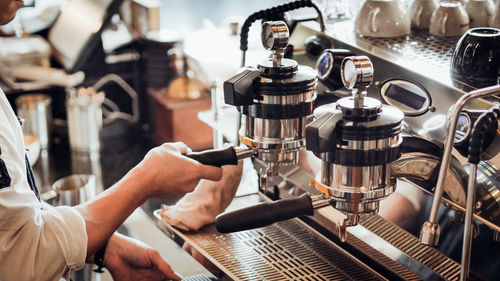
(177, 120)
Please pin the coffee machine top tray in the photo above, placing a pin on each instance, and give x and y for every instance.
(420, 52)
(420, 60)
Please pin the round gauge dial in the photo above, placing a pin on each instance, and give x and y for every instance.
(463, 128)
(349, 76)
(324, 65)
(274, 35)
(356, 72)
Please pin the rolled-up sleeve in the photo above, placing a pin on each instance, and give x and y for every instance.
(35, 244)
(38, 244)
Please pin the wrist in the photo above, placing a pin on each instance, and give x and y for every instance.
(111, 250)
(138, 181)
(99, 258)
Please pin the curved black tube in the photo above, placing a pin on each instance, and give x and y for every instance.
(267, 13)
(483, 124)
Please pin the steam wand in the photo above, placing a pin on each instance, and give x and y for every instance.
(429, 234)
(486, 121)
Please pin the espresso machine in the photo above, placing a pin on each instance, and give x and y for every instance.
(398, 119)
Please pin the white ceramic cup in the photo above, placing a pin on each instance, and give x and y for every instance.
(449, 20)
(421, 13)
(495, 19)
(480, 12)
(383, 18)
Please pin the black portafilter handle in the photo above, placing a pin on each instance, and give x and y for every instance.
(215, 157)
(264, 214)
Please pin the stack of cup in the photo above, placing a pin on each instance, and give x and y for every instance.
(35, 109)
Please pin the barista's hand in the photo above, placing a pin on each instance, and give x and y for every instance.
(166, 173)
(129, 259)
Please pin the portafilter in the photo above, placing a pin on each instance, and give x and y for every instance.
(275, 100)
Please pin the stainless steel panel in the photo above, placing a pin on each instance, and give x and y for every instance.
(288, 250)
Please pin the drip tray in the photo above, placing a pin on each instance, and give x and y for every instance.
(289, 250)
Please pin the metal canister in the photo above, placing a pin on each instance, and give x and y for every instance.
(36, 111)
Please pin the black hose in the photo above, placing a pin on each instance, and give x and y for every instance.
(278, 10)
(484, 123)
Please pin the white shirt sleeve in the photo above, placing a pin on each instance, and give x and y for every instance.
(35, 244)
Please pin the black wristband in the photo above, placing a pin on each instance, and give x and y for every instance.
(99, 258)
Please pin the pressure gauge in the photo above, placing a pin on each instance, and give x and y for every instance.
(274, 35)
(464, 125)
(356, 72)
(328, 67)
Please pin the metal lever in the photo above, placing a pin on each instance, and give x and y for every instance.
(486, 121)
(221, 157)
(267, 213)
(429, 235)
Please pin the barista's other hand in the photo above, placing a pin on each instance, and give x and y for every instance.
(166, 173)
(129, 259)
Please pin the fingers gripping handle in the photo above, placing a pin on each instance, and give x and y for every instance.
(264, 214)
(216, 157)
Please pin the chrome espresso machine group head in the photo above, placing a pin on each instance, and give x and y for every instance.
(274, 99)
(357, 139)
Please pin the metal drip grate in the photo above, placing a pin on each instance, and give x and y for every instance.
(283, 251)
(420, 46)
(429, 52)
(407, 243)
(404, 241)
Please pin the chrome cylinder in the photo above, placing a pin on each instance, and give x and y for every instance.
(357, 189)
(276, 141)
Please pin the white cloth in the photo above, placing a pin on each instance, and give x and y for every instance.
(209, 198)
(35, 244)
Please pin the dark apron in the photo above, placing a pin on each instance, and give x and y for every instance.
(31, 178)
(29, 171)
